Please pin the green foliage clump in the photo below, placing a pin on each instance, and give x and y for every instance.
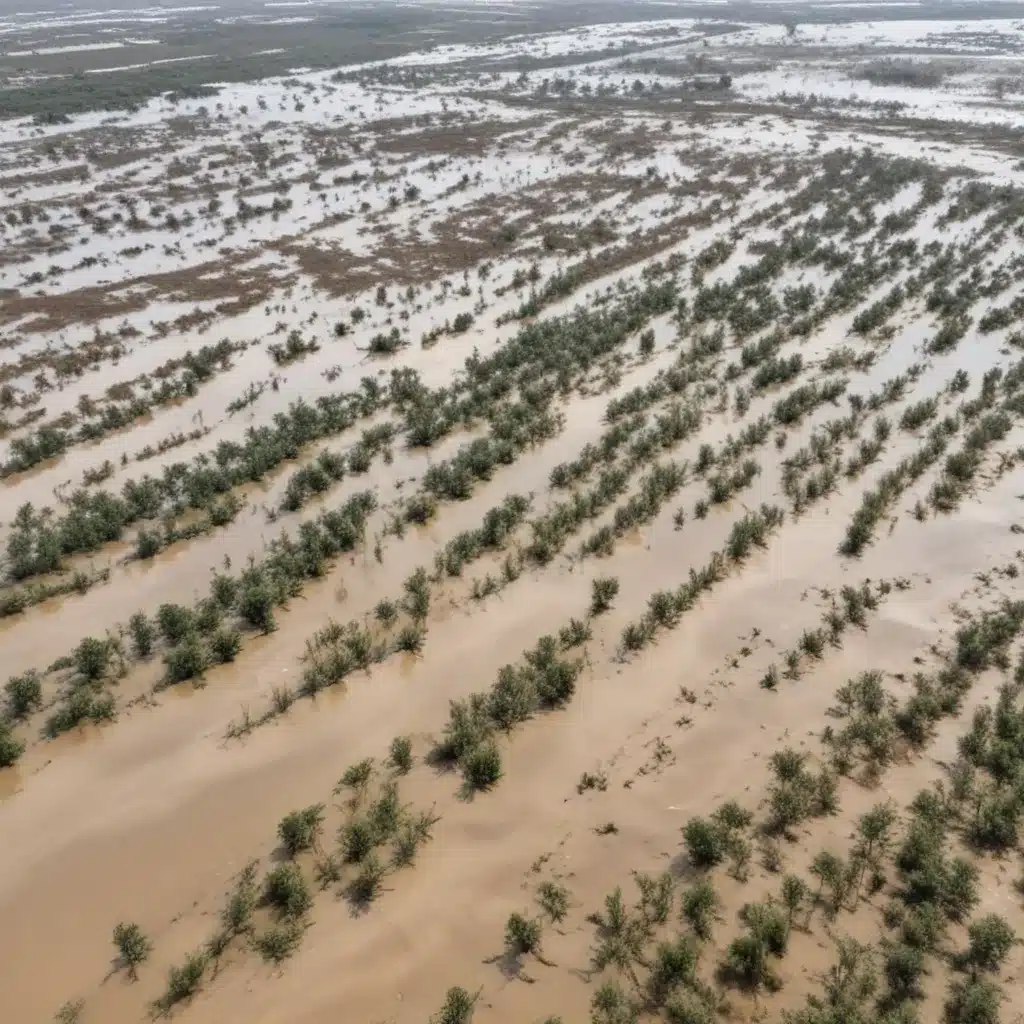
(604, 591)
(24, 694)
(457, 1008)
(300, 830)
(132, 946)
(11, 748)
(279, 942)
(286, 891)
(400, 754)
(481, 768)
(183, 982)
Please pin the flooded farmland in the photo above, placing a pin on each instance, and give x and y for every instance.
(511, 513)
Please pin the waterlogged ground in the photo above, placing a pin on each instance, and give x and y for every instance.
(577, 463)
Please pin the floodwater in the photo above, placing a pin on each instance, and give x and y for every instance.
(148, 818)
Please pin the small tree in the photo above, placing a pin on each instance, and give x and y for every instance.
(611, 1005)
(604, 590)
(92, 656)
(747, 959)
(183, 982)
(656, 896)
(357, 777)
(225, 645)
(851, 980)
(904, 966)
(522, 935)
(620, 937)
(400, 755)
(830, 870)
(279, 942)
(705, 842)
(457, 1008)
(256, 606)
(237, 913)
(174, 622)
(143, 634)
(960, 895)
(300, 830)
(690, 1008)
(185, 661)
(973, 1002)
(286, 891)
(132, 946)
(794, 892)
(11, 748)
(24, 694)
(699, 908)
(366, 886)
(481, 767)
(554, 899)
(991, 939)
(874, 831)
(675, 964)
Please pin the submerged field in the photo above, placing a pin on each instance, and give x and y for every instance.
(524, 530)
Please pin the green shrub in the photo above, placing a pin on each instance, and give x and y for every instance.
(990, 940)
(174, 622)
(279, 942)
(132, 946)
(366, 886)
(92, 656)
(554, 900)
(417, 590)
(400, 754)
(357, 841)
(689, 1008)
(24, 694)
(457, 1008)
(675, 965)
(481, 767)
(604, 590)
(410, 640)
(183, 982)
(256, 606)
(225, 645)
(706, 842)
(522, 935)
(610, 1005)
(224, 590)
(575, 634)
(973, 1002)
(147, 544)
(904, 968)
(384, 815)
(327, 871)
(185, 661)
(236, 915)
(80, 705)
(386, 613)
(420, 508)
(143, 634)
(208, 615)
(286, 891)
(300, 830)
(699, 907)
(11, 748)
(356, 776)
